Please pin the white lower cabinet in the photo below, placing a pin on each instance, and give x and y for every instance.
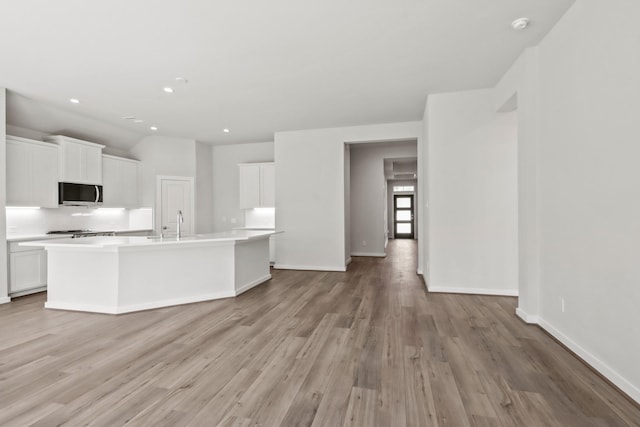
(27, 270)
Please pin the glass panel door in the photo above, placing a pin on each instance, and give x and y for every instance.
(403, 217)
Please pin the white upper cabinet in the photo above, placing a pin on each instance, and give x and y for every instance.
(79, 161)
(32, 173)
(257, 185)
(119, 182)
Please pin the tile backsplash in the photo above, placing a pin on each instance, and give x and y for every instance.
(28, 221)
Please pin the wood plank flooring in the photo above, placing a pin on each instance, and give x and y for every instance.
(369, 347)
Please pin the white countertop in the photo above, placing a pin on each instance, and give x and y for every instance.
(131, 241)
(29, 237)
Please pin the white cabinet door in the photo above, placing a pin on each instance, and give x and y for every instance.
(73, 167)
(44, 163)
(249, 186)
(92, 165)
(257, 185)
(19, 174)
(267, 186)
(80, 161)
(119, 182)
(110, 182)
(32, 173)
(28, 270)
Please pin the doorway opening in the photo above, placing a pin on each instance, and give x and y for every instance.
(372, 172)
(403, 216)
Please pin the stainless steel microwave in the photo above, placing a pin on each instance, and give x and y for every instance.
(70, 194)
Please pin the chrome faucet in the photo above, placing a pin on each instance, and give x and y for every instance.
(179, 220)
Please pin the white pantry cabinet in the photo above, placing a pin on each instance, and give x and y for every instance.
(119, 182)
(80, 161)
(257, 185)
(32, 173)
(27, 269)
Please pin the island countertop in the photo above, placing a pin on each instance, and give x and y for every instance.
(114, 242)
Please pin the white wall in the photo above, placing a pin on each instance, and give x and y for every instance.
(369, 194)
(472, 170)
(226, 187)
(587, 176)
(204, 188)
(3, 198)
(310, 186)
(519, 89)
(347, 204)
(161, 155)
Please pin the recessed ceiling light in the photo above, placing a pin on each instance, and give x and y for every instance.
(520, 24)
(168, 89)
(138, 121)
(226, 130)
(181, 80)
(153, 128)
(129, 117)
(74, 101)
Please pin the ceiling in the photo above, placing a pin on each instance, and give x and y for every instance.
(255, 67)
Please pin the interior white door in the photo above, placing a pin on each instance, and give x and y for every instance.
(176, 194)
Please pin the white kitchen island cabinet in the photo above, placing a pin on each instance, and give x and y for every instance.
(125, 274)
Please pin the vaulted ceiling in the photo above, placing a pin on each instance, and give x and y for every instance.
(254, 67)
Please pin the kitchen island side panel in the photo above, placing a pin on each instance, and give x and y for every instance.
(81, 280)
(175, 275)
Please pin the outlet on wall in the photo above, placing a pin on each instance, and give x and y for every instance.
(364, 243)
(562, 304)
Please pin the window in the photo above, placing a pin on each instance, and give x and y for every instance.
(401, 188)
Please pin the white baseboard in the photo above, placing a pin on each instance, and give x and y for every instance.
(110, 309)
(419, 271)
(374, 254)
(593, 361)
(348, 261)
(526, 317)
(309, 267)
(252, 284)
(473, 291)
(5, 300)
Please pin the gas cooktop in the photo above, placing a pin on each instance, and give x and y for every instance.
(83, 233)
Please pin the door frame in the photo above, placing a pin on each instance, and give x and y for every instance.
(413, 215)
(157, 214)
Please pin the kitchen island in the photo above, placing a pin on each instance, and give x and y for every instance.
(118, 274)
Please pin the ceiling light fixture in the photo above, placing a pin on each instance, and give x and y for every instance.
(520, 24)
(153, 128)
(74, 101)
(182, 80)
(226, 130)
(138, 121)
(168, 89)
(129, 117)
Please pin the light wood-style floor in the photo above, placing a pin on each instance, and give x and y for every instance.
(368, 347)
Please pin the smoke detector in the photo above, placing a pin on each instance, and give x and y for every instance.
(520, 24)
